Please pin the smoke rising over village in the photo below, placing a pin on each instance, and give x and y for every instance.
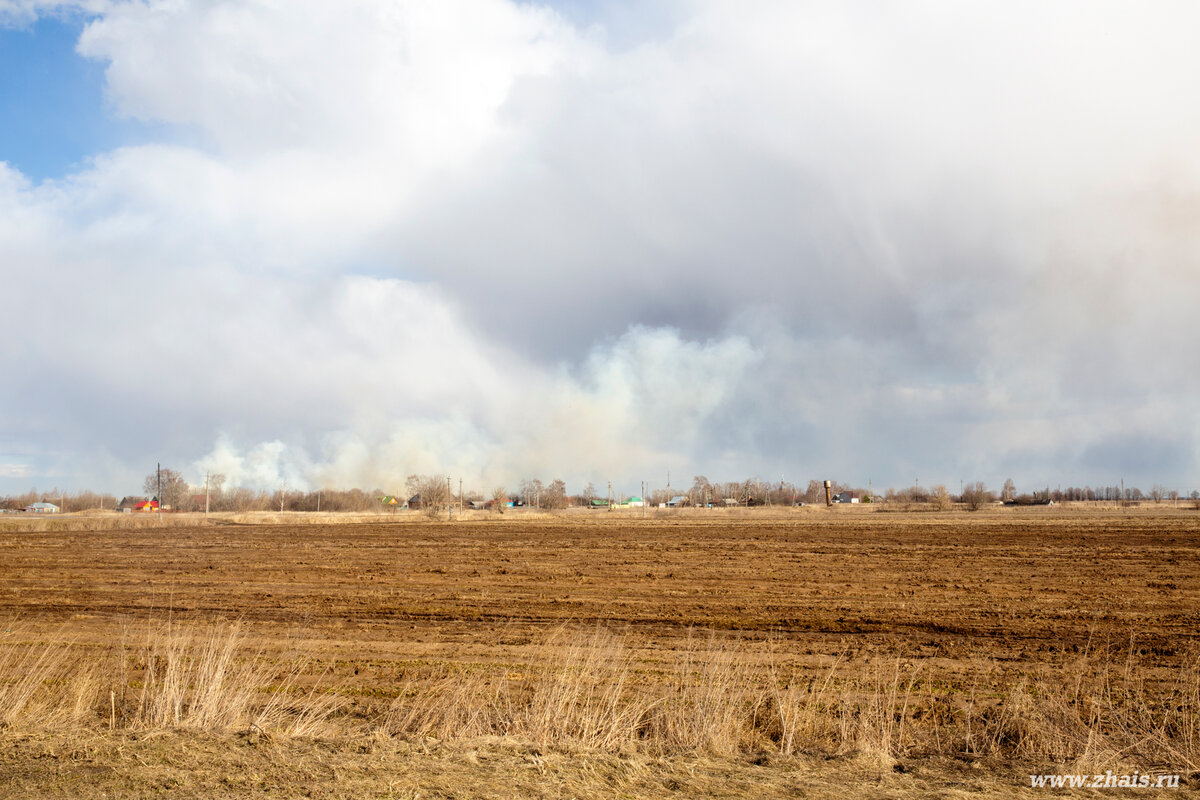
(362, 240)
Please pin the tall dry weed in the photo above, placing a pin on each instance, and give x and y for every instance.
(712, 702)
(44, 681)
(875, 715)
(581, 693)
(452, 706)
(577, 692)
(804, 709)
(183, 677)
(203, 679)
(1094, 713)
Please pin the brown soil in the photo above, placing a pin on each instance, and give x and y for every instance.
(1011, 586)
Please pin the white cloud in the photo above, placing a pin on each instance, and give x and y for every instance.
(422, 78)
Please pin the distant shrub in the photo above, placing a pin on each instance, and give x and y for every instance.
(940, 497)
(976, 496)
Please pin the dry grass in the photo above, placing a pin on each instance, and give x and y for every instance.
(47, 684)
(175, 677)
(1095, 713)
(587, 690)
(108, 520)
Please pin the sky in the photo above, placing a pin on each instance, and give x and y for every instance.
(310, 244)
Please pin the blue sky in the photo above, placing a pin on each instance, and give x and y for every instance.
(337, 244)
(52, 100)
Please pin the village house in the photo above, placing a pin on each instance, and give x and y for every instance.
(129, 505)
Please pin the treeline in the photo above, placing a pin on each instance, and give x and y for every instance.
(753, 492)
(433, 492)
(235, 499)
(67, 501)
(242, 500)
(1157, 494)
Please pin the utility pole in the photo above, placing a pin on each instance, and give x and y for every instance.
(158, 472)
(318, 501)
(206, 479)
(610, 495)
(460, 506)
(644, 500)
(449, 499)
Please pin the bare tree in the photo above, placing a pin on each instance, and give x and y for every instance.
(976, 496)
(499, 499)
(216, 485)
(555, 495)
(432, 492)
(1157, 493)
(531, 492)
(1009, 492)
(174, 492)
(242, 499)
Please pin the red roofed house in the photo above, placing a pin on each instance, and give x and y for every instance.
(131, 504)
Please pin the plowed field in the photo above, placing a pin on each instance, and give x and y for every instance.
(1013, 586)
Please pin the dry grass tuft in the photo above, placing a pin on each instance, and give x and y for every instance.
(199, 679)
(713, 703)
(184, 678)
(1095, 713)
(45, 682)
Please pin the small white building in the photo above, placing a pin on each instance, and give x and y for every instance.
(43, 508)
